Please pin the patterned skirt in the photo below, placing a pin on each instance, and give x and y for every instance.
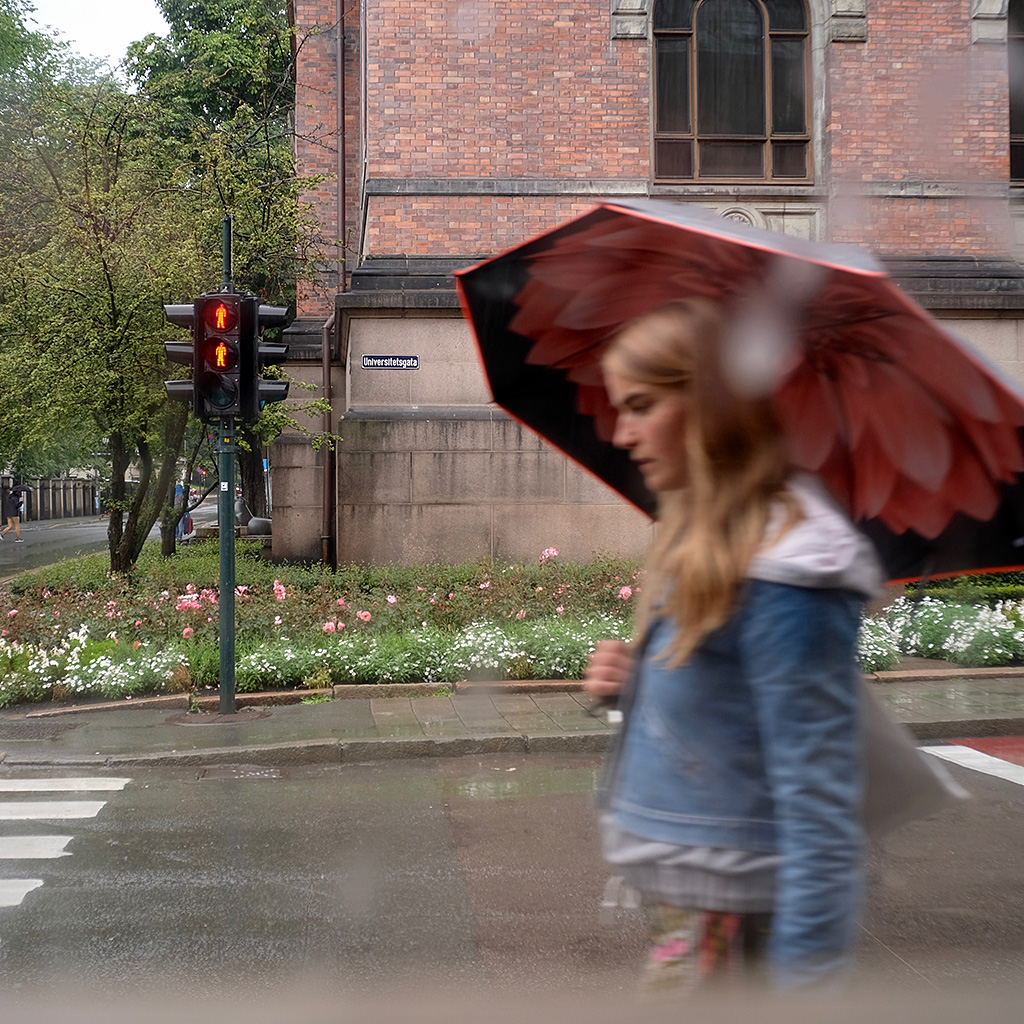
(693, 949)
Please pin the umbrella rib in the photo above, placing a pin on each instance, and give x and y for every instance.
(829, 325)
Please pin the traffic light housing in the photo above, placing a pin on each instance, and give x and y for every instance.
(258, 355)
(219, 326)
(227, 356)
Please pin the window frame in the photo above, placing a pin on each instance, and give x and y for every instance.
(767, 139)
(1014, 39)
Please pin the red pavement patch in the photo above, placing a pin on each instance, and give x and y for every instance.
(1007, 748)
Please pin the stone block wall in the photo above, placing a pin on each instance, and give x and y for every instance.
(459, 484)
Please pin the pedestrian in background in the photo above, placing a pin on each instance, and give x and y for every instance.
(12, 512)
(732, 797)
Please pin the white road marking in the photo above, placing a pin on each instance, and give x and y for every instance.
(14, 890)
(967, 757)
(42, 847)
(50, 810)
(61, 785)
(33, 847)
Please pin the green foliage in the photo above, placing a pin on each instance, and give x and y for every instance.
(965, 634)
(111, 205)
(306, 626)
(76, 629)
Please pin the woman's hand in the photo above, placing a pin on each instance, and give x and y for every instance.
(608, 668)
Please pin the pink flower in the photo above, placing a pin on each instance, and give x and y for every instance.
(485, 584)
(341, 602)
(329, 627)
(392, 599)
(548, 553)
(451, 597)
(626, 593)
(187, 632)
(12, 613)
(279, 592)
(277, 620)
(539, 589)
(363, 616)
(340, 624)
(419, 588)
(521, 614)
(137, 644)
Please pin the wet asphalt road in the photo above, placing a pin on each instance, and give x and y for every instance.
(49, 541)
(463, 876)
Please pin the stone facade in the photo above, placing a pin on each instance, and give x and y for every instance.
(467, 127)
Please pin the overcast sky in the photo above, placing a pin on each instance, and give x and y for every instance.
(100, 29)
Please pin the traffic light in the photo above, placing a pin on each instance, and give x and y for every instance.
(218, 324)
(227, 356)
(259, 354)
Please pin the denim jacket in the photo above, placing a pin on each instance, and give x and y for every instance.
(753, 744)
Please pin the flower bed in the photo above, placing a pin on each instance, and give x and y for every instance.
(72, 631)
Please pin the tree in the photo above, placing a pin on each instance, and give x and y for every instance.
(111, 205)
(99, 227)
(224, 79)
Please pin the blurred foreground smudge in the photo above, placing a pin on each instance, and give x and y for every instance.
(996, 1005)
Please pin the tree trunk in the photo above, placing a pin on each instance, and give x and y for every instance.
(251, 475)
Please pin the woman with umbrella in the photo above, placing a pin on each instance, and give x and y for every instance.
(732, 800)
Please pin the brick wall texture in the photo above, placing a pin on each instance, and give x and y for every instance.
(913, 124)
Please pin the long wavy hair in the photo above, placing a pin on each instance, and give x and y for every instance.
(736, 472)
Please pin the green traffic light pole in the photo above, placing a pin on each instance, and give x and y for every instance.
(226, 448)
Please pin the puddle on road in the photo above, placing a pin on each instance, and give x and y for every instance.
(512, 782)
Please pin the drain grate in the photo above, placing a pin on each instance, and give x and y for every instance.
(239, 771)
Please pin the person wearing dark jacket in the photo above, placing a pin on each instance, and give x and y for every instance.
(12, 513)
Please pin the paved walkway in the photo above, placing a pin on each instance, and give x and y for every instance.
(478, 719)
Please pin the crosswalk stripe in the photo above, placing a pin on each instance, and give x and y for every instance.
(33, 847)
(14, 890)
(967, 757)
(69, 785)
(49, 810)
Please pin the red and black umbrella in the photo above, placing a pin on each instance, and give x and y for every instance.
(915, 433)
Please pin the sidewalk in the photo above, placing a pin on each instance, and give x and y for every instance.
(936, 704)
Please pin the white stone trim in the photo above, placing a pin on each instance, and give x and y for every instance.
(848, 21)
(988, 21)
(630, 18)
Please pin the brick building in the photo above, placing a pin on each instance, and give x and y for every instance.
(460, 128)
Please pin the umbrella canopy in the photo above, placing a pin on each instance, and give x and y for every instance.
(914, 433)
(21, 489)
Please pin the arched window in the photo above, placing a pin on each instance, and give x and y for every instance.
(1015, 55)
(731, 90)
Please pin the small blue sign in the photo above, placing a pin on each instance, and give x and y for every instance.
(391, 362)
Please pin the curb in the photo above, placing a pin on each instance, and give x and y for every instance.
(340, 691)
(946, 674)
(331, 750)
(328, 751)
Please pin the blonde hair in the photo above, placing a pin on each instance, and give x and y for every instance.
(736, 471)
